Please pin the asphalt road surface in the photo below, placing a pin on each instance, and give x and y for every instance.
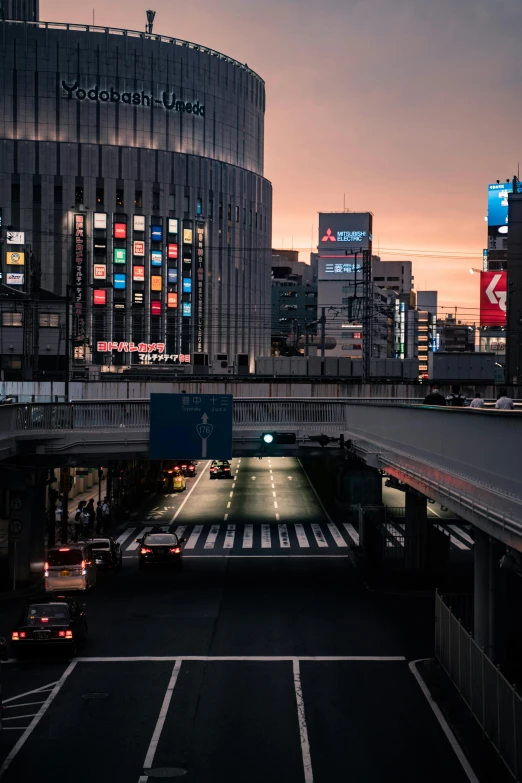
(266, 658)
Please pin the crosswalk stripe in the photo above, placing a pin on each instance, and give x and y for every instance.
(180, 530)
(453, 540)
(319, 535)
(191, 543)
(462, 534)
(266, 541)
(124, 536)
(248, 536)
(284, 541)
(211, 538)
(399, 536)
(229, 537)
(352, 532)
(301, 536)
(135, 544)
(336, 535)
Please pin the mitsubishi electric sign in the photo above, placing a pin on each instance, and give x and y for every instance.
(166, 100)
(341, 231)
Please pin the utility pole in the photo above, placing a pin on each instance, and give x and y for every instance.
(323, 331)
(65, 487)
(67, 341)
(367, 316)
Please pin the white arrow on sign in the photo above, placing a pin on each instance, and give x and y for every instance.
(204, 431)
(496, 297)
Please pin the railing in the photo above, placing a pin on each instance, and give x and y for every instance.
(134, 34)
(494, 703)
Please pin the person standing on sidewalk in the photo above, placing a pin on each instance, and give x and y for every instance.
(106, 511)
(89, 509)
(78, 520)
(99, 518)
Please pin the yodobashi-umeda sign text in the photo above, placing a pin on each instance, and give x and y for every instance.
(493, 293)
(191, 426)
(340, 231)
(166, 100)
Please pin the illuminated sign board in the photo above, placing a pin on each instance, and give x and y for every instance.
(172, 250)
(120, 282)
(15, 259)
(139, 222)
(187, 236)
(120, 255)
(155, 307)
(138, 298)
(138, 274)
(100, 220)
(340, 269)
(99, 297)
(164, 100)
(493, 294)
(187, 285)
(339, 231)
(187, 308)
(79, 324)
(120, 231)
(156, 257)
(172, 300)
(172, 275)
(173, 226)
(13, 278)
(156, 233)
(100, 272)
(200, 285)
(138, 248)
(155, 283)
(106, 346)
(15, 237)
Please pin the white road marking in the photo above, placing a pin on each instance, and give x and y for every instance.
(13, 728)
(231, 495)
(234, 485)
(149, 758)
(274, 494)
(245, 557)
(124, 536)
(398, 536)
(21, 717)
(189, 493)
(336, 535)
(444, 724)
(262, 658)
(36, 720)
(229, 504)
(134, 544)
(273, 486)
(352, 532)
(180, 530)
(301, 536)
(303, 730)
(275, 504)
(290, 478)
(453, 540)
(229, 537)
(248, 536)
(225, 517)
(277, 517)
(191, 543)
(253, 478)
(211, 538)
(266, 541)
(25, 704)
(284, 541)
(319, 535)
(47, 687)
(462, 534)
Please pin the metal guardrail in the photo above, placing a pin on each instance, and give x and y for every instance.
(494, 703)
(133, 34)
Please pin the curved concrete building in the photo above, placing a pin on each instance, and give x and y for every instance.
(131, 165)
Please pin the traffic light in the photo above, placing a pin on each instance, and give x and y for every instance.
(273, 438)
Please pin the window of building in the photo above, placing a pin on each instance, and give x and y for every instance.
(311, 294)
(229, 212)
(138, 199)
(12, 319)
(51, 320)
(172, 202)
(186, 205)
(78, 194)
(378, 279)
(119, 197)
(311, 307)
(37, 194)
(100, 195)
(288, 307)
(15, 192)
(210, 208)
(391, 279)
(12, 362)
(155, 200)
(237, 214)
(58, 194)
(199, 207)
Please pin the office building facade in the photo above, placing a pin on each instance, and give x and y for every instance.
(132, 166)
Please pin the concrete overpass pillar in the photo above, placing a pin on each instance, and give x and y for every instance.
(26, 526)
(489, 596)
(416, 530)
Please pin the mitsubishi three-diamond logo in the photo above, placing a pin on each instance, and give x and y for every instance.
(329, 237)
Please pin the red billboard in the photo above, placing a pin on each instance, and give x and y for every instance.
(493, 292)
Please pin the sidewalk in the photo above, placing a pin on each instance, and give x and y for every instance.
(87, 495)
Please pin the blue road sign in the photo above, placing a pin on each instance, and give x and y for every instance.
(191, 426)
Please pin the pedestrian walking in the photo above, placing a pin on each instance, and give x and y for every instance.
(99, 518)
(78, 520)
(58, 511)
(456, 399)
(106, 511)
(434, 397)
(504, 403)
(477, 401)
(90, 510)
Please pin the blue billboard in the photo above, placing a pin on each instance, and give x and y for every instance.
(187, 308)
(120, 281)
(173, 275)
(498, 203)
(156, 233)
(187, 285)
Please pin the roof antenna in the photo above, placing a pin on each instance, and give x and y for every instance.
(150, 21)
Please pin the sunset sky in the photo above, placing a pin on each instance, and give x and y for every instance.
(406, 108)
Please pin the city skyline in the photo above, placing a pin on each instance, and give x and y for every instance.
(408, 91)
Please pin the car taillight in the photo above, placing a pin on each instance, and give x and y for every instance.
(83, 564)
(184, 467)
(64, 549)
(145, 550)
(61, 633)
(68, 635)
(15, 636)
(177, 467)
(46, 569)
(44, 619)
(22, 634)
(175, 550)
(227, 469)
(212, 470)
